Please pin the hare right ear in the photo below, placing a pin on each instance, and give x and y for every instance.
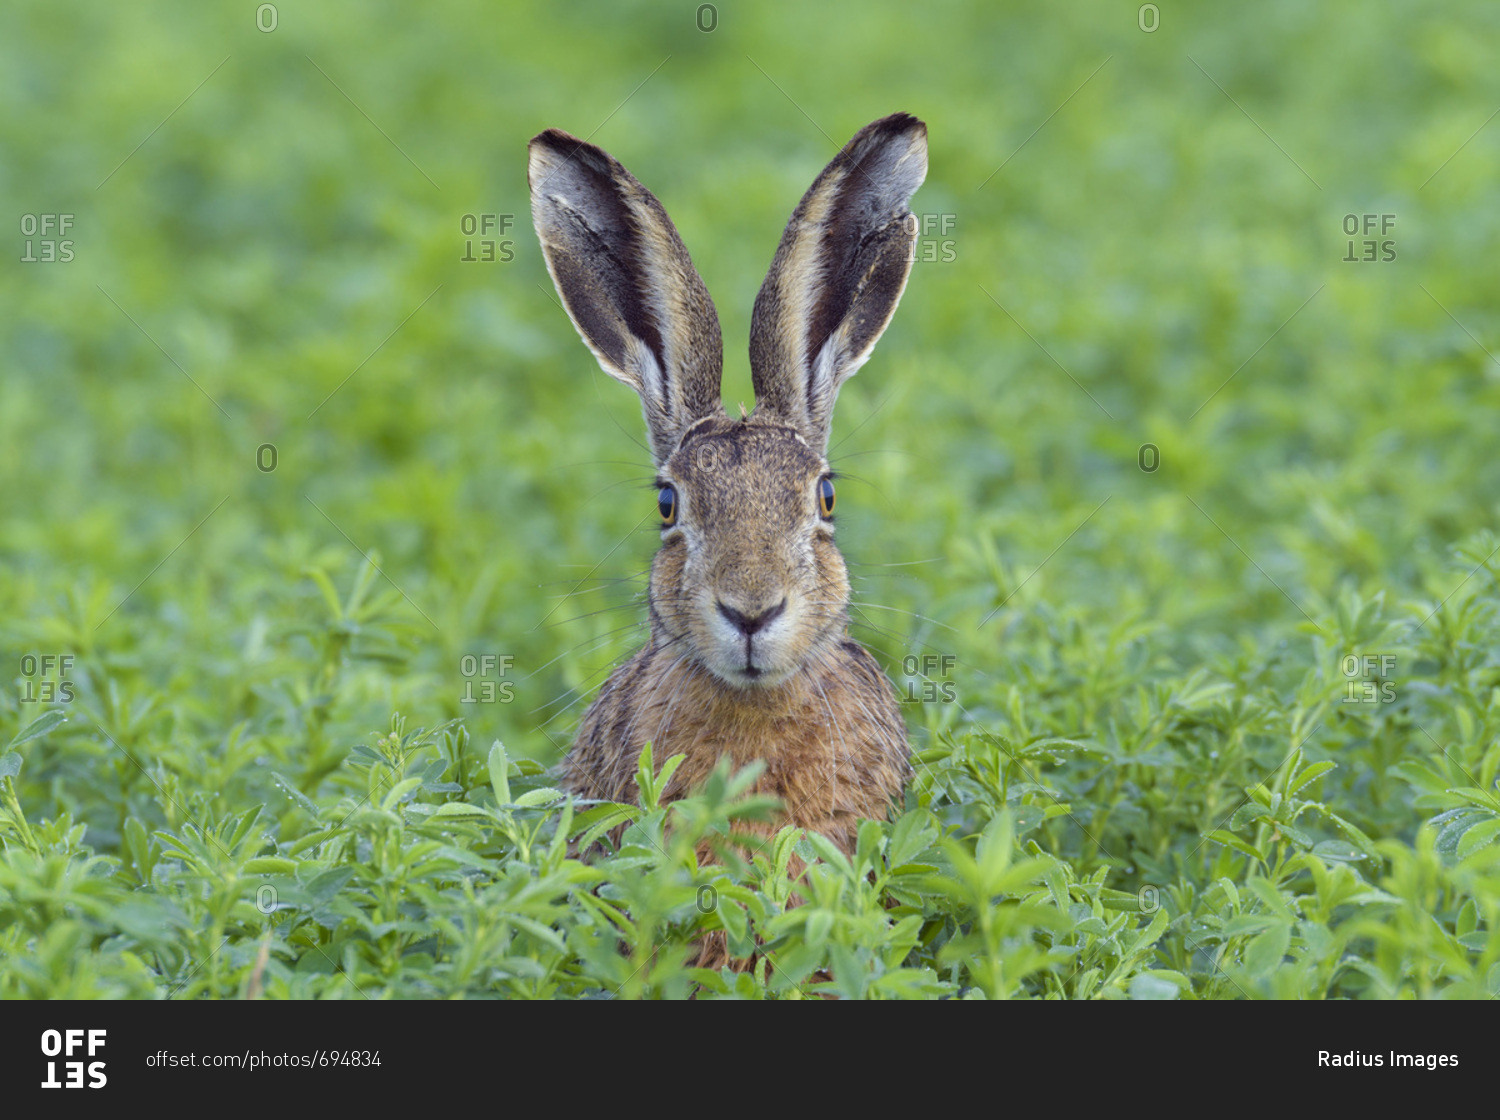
(628, 284)
(838, 274)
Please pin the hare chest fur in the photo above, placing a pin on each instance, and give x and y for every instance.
(749, 658)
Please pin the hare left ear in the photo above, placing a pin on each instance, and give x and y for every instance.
(838, 275)
(628, 284)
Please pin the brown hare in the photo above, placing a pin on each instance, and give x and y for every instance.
(749, 658)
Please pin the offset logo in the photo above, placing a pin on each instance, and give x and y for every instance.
(45, 678)
(53, 244)
(493, 243)
(490, 669)
(75, 1046)
(1370, 237)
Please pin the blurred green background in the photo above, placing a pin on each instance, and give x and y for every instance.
(265, 220)
(1133, 237)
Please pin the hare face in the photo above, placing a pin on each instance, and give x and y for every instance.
(748, 579)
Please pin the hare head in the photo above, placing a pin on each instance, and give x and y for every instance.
(748, 583)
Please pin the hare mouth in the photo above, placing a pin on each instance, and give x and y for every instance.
(751, 676)
(759, 675)
(750, 666)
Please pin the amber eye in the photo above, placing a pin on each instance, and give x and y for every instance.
(825, 497)
(666, 505)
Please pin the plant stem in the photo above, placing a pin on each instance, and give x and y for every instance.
(13, 803)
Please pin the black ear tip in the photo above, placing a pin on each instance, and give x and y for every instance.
(896, 128)
(564, 150)
(555, 139)
(900, 122)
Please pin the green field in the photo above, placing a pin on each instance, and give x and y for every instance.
(1171, 515)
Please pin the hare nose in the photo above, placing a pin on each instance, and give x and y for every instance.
(750, 625)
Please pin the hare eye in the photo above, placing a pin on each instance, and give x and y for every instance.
(825, 497)
(666, 505)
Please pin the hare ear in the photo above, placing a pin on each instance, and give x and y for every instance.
(838, 274)
(628, 283)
